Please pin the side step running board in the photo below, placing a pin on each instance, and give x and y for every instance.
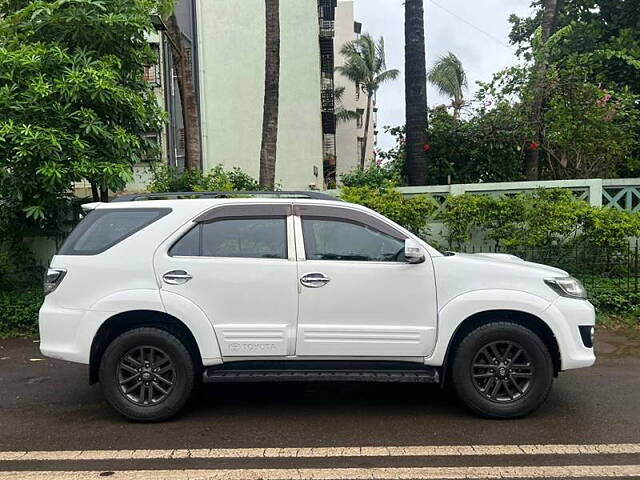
(265, 374)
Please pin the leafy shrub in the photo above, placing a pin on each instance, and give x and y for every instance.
(609, 227)
(545, 218)
(611, 296)
(166, 179)
(19, 311)
(376, 176)
(17, 265)
(463, 214)
(413, 213)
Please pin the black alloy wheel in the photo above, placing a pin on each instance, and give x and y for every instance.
(146, 375)
(502, 371)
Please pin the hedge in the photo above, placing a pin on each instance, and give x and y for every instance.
(544, 218)
(19, 311)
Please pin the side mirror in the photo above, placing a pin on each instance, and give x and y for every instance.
(413, 252)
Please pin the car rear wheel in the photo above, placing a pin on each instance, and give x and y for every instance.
(502, 370)
(147, 375)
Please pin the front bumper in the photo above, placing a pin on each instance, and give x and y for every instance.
(565, 317)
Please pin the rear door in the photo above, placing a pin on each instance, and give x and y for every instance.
(237, 264)
(358, 296)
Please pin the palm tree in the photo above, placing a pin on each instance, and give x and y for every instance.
(365, 65)
(342, 114)
(415, 91)
(269, 149)
(448, 75)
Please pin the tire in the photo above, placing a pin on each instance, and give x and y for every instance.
(514, 387)
(150, 391)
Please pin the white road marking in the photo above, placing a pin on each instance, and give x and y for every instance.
(426, 451)
(343, 473)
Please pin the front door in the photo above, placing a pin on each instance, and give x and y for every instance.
(237, 264)
(358, 297)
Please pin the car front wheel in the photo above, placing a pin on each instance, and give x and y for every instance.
(147, 375)
(502, 370)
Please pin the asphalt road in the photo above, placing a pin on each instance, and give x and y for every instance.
(47, 405)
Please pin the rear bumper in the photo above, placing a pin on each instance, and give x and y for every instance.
(67, 334)
(566, 316)
(59, 330)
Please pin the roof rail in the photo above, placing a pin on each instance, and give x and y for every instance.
(182, 195)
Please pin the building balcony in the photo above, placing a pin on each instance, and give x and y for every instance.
(327, 28)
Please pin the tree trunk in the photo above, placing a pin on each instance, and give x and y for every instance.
(415, 92)
(269, 149)
(188, 98)
(532, 154)
(104, 194)
(365, 138)
(95, 193)
(457, 109)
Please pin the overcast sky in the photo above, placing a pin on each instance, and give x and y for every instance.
(475, 30)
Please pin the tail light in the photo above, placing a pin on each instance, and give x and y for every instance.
(53, 278)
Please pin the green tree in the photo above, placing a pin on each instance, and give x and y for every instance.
(73, 102)
(591, 131)
(269, 149)
(449, 77)
(548, 26)
(365, 65)
(485, 147)
(596, 42)
(415, 92)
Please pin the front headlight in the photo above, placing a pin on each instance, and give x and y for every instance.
(567, 287)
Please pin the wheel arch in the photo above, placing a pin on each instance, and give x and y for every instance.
(528, 320)
(123, 322)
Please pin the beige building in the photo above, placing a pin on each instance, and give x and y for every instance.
(350, 134)
(231, 52)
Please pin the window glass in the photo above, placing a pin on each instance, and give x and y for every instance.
(245, 238)
(188, 245)
(101, 230)
(341, 240)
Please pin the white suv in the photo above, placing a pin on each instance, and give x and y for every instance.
(157, 295)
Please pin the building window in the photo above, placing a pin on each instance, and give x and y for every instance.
(359, 120)
(152, 147)
(357, 30)
(152, 72)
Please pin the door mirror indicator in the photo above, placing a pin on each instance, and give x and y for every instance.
(413, 252)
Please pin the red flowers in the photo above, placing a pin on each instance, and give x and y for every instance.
(426, 147)
(533, 146)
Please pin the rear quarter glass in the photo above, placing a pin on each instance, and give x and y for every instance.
(102, 229)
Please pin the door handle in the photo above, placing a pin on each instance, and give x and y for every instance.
(314, 280)
(176, 277)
